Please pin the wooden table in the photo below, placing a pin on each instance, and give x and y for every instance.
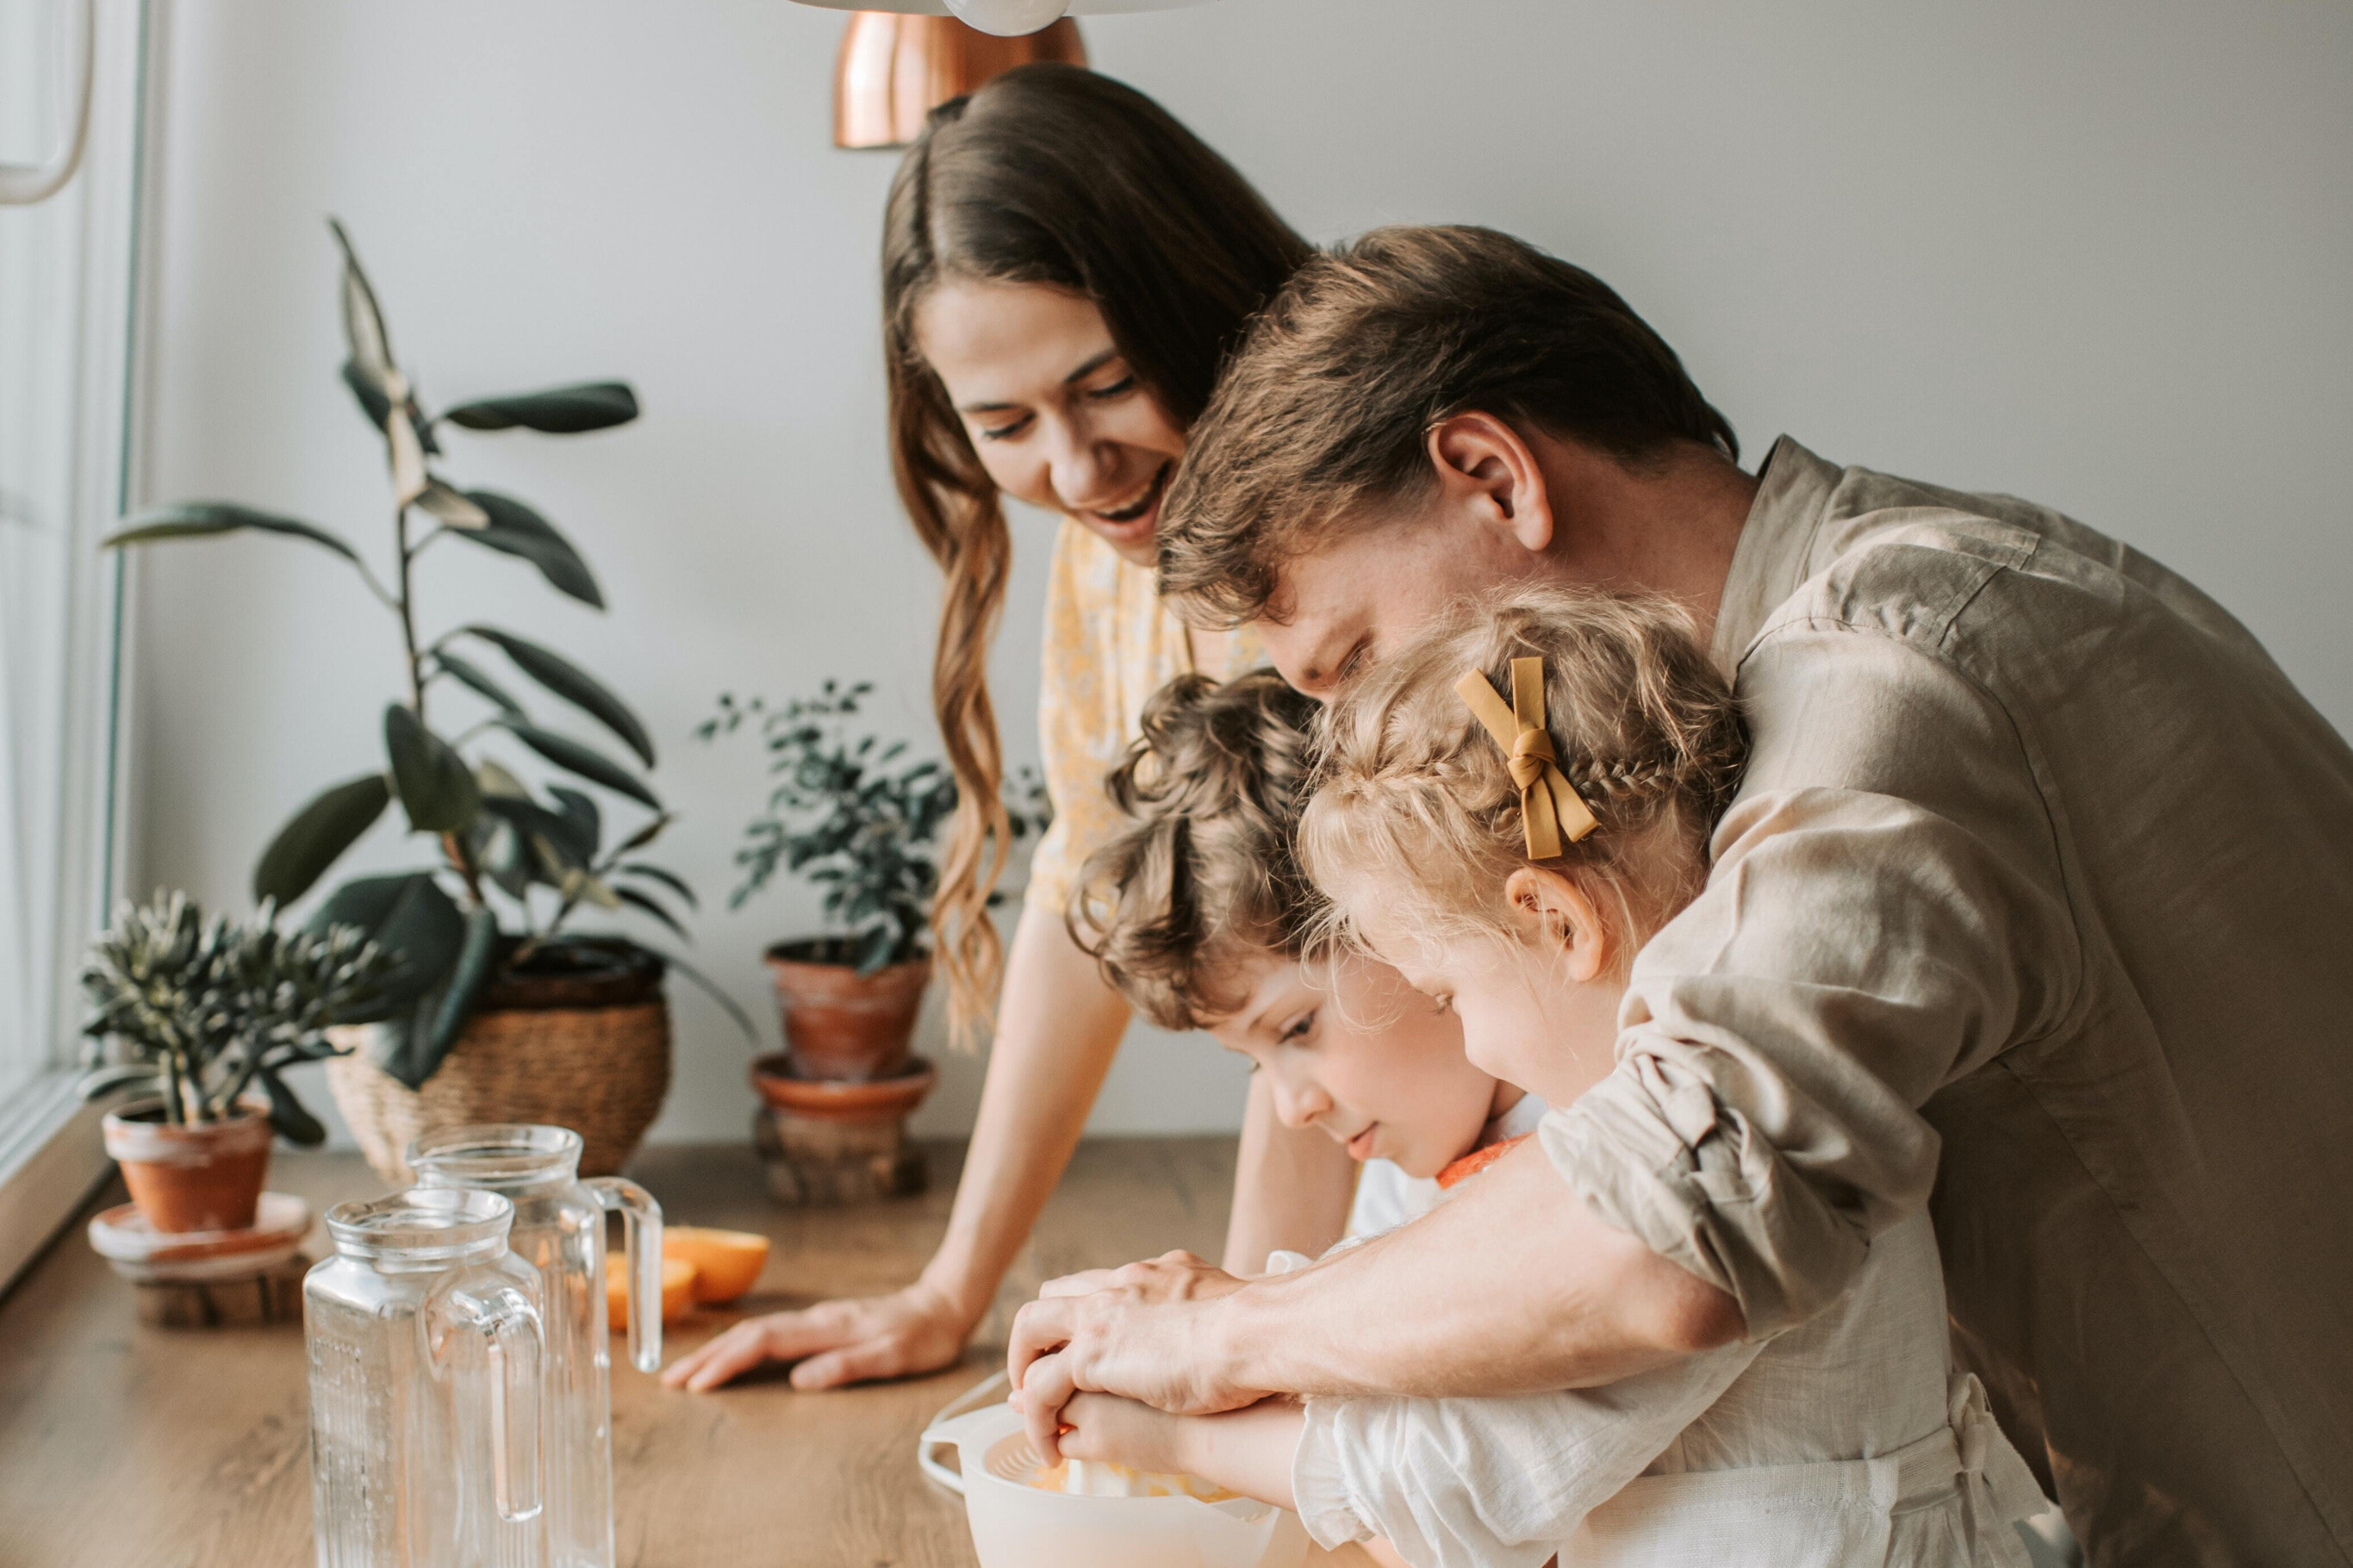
(127, 1447)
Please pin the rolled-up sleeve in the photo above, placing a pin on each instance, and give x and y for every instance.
(1886, 910)
(1496, 1482)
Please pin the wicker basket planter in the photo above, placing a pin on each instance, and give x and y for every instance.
(587, 1052)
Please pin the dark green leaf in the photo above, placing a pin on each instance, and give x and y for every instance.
(586, 822)
(574, 684)
(570, 754)
(516, 529)
(645, 835)
(287, 1115)
(442, 1017)
(500, 851)
(636, 899)
(317, 835)
(875, 951)
(670, 880)
(557, 411)
(533, 823)
(198, 518)
(437, 788)
(468, 673)
(408, 916)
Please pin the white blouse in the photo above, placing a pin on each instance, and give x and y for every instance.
(1843, 1440)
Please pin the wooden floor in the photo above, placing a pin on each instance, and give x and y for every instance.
(126, 1446)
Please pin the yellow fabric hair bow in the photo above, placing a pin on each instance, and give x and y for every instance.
(1549, 808)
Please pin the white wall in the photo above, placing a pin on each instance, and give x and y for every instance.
(2097, 253)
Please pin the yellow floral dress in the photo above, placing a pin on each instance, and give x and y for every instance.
(1110, 644)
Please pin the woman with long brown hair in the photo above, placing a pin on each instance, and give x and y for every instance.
(1064, 267)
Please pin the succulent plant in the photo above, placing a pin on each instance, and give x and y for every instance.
(200, 1012)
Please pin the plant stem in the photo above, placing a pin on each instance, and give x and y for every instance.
(408, 616)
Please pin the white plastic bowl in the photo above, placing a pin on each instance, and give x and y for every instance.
(1016, 1525)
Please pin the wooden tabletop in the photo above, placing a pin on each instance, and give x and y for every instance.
(144, 1448)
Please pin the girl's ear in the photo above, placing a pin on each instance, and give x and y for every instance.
(1555, 914)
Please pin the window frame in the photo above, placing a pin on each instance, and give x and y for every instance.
(51, 1158)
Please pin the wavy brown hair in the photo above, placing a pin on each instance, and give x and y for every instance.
(1208, 870)
(1049, 174)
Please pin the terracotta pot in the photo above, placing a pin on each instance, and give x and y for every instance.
(840, 1024)
(207, 1176)
(589, 1050)
(825, 1141)
(783, 1087)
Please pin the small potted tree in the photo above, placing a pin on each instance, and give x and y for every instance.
(852, 815)
(200, 1020)
(515, 1018)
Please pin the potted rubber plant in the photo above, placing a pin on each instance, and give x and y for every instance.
(855, 817)
(504, 1010)
(198, 1020)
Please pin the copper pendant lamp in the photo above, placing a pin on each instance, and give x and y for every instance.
(895, 67)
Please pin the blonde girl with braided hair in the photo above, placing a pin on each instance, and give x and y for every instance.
(1503, 810)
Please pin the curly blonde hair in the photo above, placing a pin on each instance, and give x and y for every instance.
(1414, 803)
(1208, 873)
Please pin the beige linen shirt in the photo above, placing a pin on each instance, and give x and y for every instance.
(2035, 909)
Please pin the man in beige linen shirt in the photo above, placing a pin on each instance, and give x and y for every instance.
(2035, 909)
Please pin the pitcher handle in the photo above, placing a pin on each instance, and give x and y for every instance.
(641, 1237)
(510, 1328)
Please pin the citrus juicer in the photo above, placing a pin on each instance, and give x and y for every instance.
(1015, 1523)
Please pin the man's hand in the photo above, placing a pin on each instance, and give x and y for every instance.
(1144, 1332)
(915, 1330)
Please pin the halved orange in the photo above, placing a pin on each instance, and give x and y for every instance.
(676, 1289)
(727, 1263)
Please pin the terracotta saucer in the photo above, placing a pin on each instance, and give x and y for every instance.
(138, 1251)
(830, 1099)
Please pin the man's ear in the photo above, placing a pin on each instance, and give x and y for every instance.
(1553, 911)
(1482, 465)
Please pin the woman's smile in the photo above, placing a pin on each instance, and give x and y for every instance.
(1132, 519)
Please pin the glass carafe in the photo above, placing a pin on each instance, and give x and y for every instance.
(559, 1230)
(425, 1388)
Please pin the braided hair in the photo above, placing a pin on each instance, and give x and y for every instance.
(1415, 811)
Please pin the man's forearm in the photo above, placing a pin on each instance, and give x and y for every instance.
(1513, 1286)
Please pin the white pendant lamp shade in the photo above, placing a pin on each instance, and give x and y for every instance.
(1005, 18)
(1008, 19)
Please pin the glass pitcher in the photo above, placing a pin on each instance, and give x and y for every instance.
(424, 1356)
(559, 1229)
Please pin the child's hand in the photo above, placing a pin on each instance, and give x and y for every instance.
(1105, 1427)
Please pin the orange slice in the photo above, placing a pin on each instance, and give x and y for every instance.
(727, 1263)
(677, 1288)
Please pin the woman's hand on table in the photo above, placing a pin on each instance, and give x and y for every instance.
(1136, 1332)
(919, 1328)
